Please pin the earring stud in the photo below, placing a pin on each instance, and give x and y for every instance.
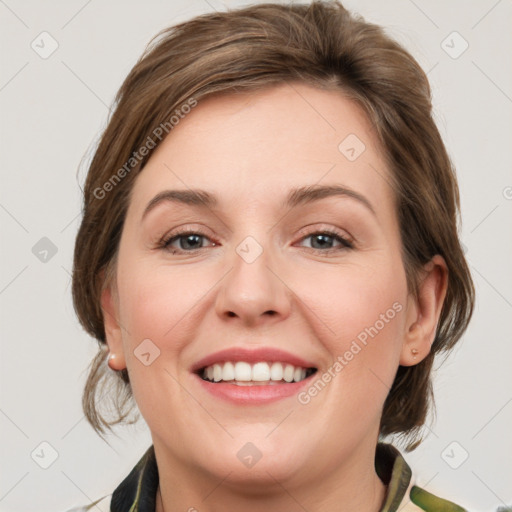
(414, 352)
(110, 359)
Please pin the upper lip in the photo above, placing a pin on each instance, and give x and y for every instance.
(253, 355)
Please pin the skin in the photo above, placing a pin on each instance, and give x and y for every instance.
(250, 150)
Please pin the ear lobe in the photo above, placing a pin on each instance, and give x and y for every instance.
(112, 329)
(421, 329)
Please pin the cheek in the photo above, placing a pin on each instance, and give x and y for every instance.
(359, 313)
(156, 304)
(356, 302)
(160, 306)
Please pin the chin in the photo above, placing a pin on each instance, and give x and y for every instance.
(262, 460)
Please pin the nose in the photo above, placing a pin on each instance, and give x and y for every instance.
(253, 293)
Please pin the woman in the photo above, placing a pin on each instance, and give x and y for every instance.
(269, 260)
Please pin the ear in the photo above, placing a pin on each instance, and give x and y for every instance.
(424, 311)
(112, 328)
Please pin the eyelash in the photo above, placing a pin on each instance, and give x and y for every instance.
(344, 241)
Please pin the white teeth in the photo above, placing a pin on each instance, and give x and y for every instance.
(288, 373)
(217, 372)
(241, 372)
(276, 371)
(228, 372)
(260, 372)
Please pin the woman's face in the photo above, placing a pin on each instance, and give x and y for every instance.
(267, 271)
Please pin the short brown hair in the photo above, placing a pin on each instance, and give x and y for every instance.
(248, 49)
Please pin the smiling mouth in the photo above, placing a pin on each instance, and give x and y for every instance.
(241, 373)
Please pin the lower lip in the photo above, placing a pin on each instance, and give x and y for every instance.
(257, 394)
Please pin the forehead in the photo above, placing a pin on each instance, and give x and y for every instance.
(258, 145)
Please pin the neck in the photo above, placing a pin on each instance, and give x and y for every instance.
(352, 486)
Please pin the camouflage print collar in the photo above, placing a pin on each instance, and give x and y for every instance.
(395, 473)
(137, 492)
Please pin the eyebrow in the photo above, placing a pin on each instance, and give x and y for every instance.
(296, 197)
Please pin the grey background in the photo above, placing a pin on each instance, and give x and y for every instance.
(53, 110)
